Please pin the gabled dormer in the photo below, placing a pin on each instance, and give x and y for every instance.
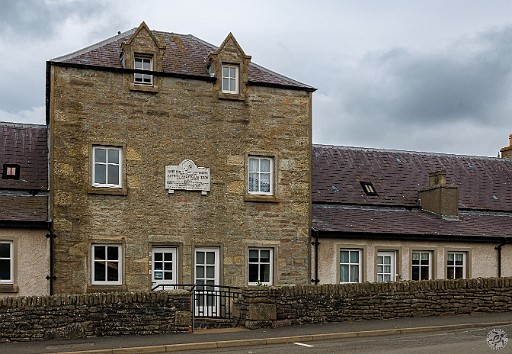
(230, 65)
(143, 53)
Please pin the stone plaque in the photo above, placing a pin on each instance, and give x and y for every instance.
(187, 176)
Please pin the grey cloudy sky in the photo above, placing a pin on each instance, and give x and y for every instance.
(423, 75)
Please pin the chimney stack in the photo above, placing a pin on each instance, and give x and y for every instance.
(440, 198)
(506, 152)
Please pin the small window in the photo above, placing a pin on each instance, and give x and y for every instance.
(230, 79)
(107, 167)
(368, 188)
(106, 265)
(6, 262)
(260, 266)
(11, 171)
(143, 63)
(350, 266)
(456, 265)
(260, 175)
(421, 265)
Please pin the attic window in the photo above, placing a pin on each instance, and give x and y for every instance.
(230, 79)
(143, 63)
(368, 188)
(11, 171)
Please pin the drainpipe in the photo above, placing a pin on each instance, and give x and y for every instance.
(315, 243)
(51, 235)
(498, 248)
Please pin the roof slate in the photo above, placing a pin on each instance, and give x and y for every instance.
(24, 199)
(184, 55)
(340, 204)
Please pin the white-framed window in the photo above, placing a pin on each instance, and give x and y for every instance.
(107, 264)
(261, 266)
(107, 167)
(350, 266)
(143, 63)
(230, 79)
(164, 267)
(386, 266)
(260, 175)
(6, 262)
(456, 265)
(421, 265)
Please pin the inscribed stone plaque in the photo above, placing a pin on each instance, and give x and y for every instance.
(187, 176)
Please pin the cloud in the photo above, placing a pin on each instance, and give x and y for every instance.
(403, 96)
(35, 114)
(36, 19)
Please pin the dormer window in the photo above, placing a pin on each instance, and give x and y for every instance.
(11, 171)
(143, 63)
(230, 79)
(368, 188)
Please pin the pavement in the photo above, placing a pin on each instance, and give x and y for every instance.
(241, 337)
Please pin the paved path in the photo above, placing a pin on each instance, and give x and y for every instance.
(211, 339)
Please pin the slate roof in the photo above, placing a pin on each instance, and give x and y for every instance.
(184, 55)
(24, 199)
(340, 204)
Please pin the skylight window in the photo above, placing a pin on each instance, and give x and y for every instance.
(368, 188)
(11, 171)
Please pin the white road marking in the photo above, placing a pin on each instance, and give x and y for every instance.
(303, 345)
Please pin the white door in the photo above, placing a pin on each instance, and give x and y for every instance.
(386, 266)
(207, 274)
(164, 269)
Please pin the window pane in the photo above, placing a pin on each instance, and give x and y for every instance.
(200, 272)
(210, 258)
(100, 155)
(210, 272)
(146, 64)
(415, 257)
(253, 256)
(253, 182)
(5, 269)
(344, 256)
(344, 276)
(424, 273)
(225, 71)
(265, 183)
(100, 174)
(459, 259)
(113, 174)
(200, 257)
(159, 265)
(354, 273)
(459, 273)
(5, 250)
(112, 271)
(138, 63)
(253, 273)
(415, 273)
(265, 272)
(450, 258)
(168, 275)
(265, 256)
(158, 256)
(354, 257)
(99, 252)
(265, 165)
(253, 165)
(113, 253)
(225, 84)
(168, 266)
(113, 156)
(168, 257)
(99, 271)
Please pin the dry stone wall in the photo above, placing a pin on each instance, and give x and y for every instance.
(366, 301)
(93, 315)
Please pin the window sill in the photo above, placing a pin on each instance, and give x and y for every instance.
(107, 191)
(260, 198)
(106, 288)
(8, 288)
(231, 96)
(143, 88)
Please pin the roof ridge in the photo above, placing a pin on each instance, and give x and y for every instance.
(22, 125)
(412, 152)
(94, 46)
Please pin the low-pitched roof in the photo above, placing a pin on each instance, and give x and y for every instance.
(342, 206)
(184, 55)
(24, 199)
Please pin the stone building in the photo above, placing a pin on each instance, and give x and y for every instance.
(24, 226)
(173, 161)
(387, 215)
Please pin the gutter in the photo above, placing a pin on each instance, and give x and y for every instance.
(498, 248)
(315, 243)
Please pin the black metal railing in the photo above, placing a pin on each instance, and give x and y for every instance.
(208, 300)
